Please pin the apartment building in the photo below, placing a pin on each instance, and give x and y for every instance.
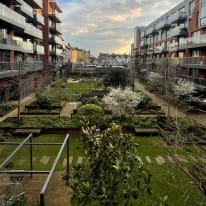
(53, 38)
(174, 44)
(25, 31)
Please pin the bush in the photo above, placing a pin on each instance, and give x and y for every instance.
(93, 113)
(2, 139)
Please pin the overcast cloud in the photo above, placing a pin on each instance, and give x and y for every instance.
(107, 25)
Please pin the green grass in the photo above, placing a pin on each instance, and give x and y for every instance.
(167, 179)
(82, 87)
(40, 151)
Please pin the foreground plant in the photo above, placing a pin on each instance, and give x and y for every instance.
(113, 173)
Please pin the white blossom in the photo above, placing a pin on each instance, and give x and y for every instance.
(154, 77)
(122, 102)
(183, 88)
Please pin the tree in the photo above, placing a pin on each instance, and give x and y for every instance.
(113, 174)
(116, 77)
(154, 78)
(183, 88)
(122, 101)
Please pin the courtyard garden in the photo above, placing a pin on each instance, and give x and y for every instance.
(168, 165)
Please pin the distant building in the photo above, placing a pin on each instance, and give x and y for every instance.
(80, 56)
(113, 59)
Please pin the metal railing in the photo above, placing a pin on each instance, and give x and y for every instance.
(26, 66)
(11, 16)
(193, 60)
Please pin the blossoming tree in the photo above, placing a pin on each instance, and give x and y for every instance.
(183, 88)
(122, 102)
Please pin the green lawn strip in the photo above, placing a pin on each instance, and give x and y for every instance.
(21, 159)
(168, 179)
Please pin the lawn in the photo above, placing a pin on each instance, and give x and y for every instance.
(167, 178)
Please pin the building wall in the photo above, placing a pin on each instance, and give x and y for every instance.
(176, 38)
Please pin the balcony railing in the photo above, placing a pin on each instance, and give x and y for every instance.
(177, 17)
(178, 31)
(10, 43)
(193, 60)
(11, 68)
(193, 41)
(11, 16)
(59, 52)
(25, 8)
(55, 16)
(40, 49)
(38, 2)
(33, 31)
(173, 46)
(39, 18)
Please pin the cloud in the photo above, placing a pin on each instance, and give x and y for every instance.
(105, 25)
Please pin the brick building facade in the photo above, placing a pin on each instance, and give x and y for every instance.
(175, 42)
(25, 49)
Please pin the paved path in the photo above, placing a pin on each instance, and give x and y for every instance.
(26, 101)
(68, 108)
(173, 111)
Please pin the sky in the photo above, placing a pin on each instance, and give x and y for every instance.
(107, 26)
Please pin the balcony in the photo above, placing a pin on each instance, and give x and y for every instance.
(24, 9)
(173, 46)
(11, 17)
(178, 31)
(54, 30)
(154, 32)
(150, 51)
(55, 40)
(52, 52)
(55, 4)
(36, 4)
(193, 42)
(177, 18)
(33, 31)
(8, 42)
(28, 47)
(39, 18)
(59, 52)
(40, 49)
(30, 66)
(55, 17)
(193, 62)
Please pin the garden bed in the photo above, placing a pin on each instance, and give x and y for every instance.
(5, 109)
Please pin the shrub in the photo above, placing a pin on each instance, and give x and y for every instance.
(93, 113)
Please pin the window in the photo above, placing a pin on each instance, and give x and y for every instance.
(203, 3)
(203, 21)
(194, 72)
(191, 8)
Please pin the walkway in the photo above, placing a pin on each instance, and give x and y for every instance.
(26, 101)
(174, 112)
(68, 108)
